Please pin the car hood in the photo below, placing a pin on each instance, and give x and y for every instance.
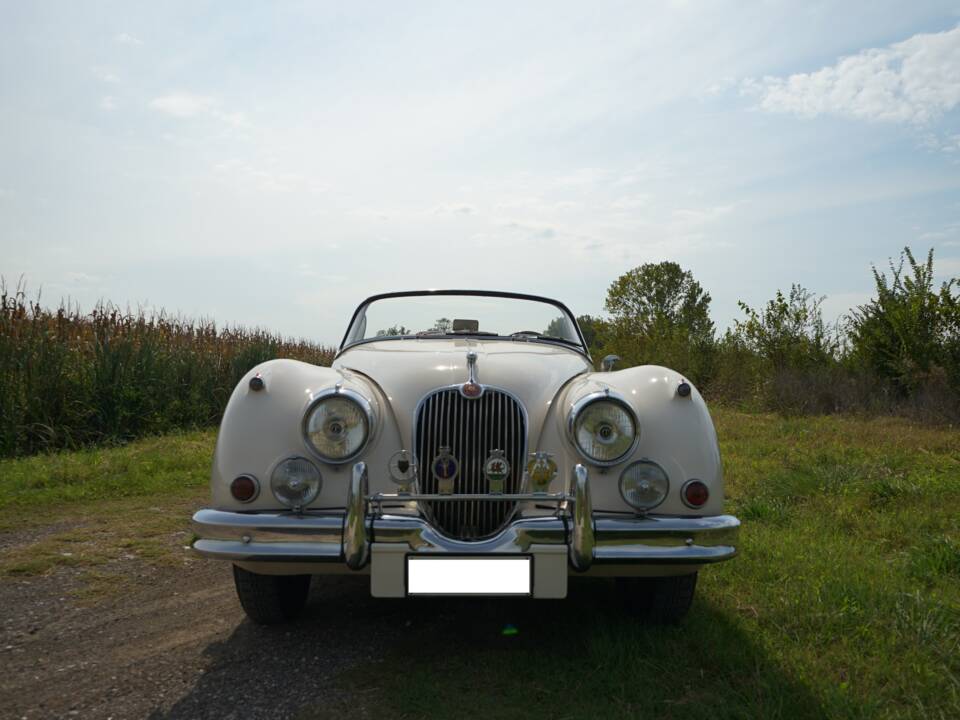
(406, 370)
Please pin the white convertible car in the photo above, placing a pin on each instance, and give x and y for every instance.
(462, 443)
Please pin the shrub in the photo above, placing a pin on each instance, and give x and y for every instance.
(909, 335)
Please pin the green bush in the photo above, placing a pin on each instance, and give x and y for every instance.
(909, 335)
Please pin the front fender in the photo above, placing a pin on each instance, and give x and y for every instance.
(260, 428)
(675, 432)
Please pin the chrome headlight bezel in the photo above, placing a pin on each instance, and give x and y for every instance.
(585, 402)
(356, 398)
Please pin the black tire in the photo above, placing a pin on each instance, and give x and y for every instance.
(659, 600)
(271, 599)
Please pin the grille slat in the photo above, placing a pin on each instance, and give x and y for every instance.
(472, 429)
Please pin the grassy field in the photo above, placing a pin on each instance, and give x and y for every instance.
(844, 602)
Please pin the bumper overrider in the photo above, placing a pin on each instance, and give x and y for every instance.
(367, 534)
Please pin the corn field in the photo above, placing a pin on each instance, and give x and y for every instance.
(69, 379)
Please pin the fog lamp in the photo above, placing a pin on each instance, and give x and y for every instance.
(644, 485)
(296, 482)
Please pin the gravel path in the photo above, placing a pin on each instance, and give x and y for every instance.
(178, 646)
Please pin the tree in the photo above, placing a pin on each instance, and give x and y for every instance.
(442, 325)
(660, 298)
(593, 329)
(661, 316)
(393, 331)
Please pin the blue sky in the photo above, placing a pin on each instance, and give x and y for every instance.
(273, 164)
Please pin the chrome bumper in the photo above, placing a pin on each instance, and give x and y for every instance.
(346, 537)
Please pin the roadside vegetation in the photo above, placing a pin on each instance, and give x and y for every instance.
(844, 601)
(898, 353)
(70, 379)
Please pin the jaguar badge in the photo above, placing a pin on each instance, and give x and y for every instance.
(497, 470)
(445, 470)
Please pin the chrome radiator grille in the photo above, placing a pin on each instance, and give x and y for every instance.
(472, 429)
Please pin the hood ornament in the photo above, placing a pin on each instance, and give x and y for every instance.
(471, 389)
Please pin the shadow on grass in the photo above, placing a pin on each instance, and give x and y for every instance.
(583, 657)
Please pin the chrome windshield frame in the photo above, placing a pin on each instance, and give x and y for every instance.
(582, 348)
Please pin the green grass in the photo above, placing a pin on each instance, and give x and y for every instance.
(154, 466)
(100, 508)
(844, 601)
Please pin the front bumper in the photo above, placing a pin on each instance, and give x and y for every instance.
(574, 536)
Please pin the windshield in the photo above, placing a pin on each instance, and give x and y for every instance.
(439, 314)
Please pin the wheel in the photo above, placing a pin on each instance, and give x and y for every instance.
(659, 599)
(271, 599)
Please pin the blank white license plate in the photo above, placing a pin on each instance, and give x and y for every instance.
(469, 576)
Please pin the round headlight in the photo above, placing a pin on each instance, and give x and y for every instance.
(644, 485)
(604, 430)
(296, 482)
(337, 426)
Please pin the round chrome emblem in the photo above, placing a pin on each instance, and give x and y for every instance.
(497, 467)
(402, 468)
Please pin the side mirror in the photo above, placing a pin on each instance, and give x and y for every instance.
(606, 365)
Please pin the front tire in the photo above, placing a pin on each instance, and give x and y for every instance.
(659, 600)
(271, 599)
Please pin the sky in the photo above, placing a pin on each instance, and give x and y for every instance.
(272, 164)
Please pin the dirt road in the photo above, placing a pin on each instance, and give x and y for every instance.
(177, 646)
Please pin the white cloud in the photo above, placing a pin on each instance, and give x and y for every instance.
(127, 39)
(456, 209)
(105, 75)
(108, 103)
(183, 105)
(916, 81)
(80, 278)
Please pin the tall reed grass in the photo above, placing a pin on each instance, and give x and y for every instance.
(69, 378)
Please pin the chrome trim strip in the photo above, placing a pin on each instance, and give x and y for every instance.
(380, 498)
(356, 547)
(589, 399)
(582, 538)
(365, 404)
(517, 537)
(239, 551)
